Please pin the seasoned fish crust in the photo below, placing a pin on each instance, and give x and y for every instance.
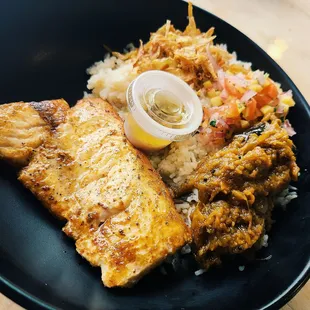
(25, 125)
(116, 206)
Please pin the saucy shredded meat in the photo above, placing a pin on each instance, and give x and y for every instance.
(236, 188)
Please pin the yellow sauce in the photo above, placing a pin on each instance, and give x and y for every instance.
(141, 138)
(162, 109)
(165, 108)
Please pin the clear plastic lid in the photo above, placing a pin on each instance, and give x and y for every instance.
(164, 105)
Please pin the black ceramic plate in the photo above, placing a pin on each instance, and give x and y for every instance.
(45, 48)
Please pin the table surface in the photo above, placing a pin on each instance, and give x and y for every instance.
(279, 27)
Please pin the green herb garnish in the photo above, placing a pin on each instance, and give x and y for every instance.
(213, 123)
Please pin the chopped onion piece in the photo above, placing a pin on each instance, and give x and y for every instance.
(222, 123)
(280, 109)
(212, 59)
(289, 93)
(221, 78)
(288, 127)
(259, 76)
(224, 94)
(215, 116)
(248, 95)
(238, 80)
(199, 272)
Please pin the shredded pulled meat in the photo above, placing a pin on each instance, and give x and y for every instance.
(187, 54)
(236, 187)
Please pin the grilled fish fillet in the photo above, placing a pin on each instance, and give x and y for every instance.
(25, 125)
(117, 208)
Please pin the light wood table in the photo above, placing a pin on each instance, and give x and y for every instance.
(279, 27)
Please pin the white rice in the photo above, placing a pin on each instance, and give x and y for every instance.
(193, 197)
(180, 160)
(199, 272)
(110, 79)
(241, 268)
(186, 209)
(284, 198)
(246, 65)
(234, 59)
(265, 241)
(186, 249)
(266, 258)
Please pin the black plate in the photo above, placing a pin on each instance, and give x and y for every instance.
(45, 48)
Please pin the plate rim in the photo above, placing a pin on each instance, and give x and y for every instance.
(28, 300)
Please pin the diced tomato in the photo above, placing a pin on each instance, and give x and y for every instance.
(231, 121)
(266, 95)
(232, 110)
(231, 89)
(271, 91)
(249, 112)
(274, 102)
(258, 113)
(262, 100)
(217, 136)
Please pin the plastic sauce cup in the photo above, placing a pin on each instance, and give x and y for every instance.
(163, 108)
